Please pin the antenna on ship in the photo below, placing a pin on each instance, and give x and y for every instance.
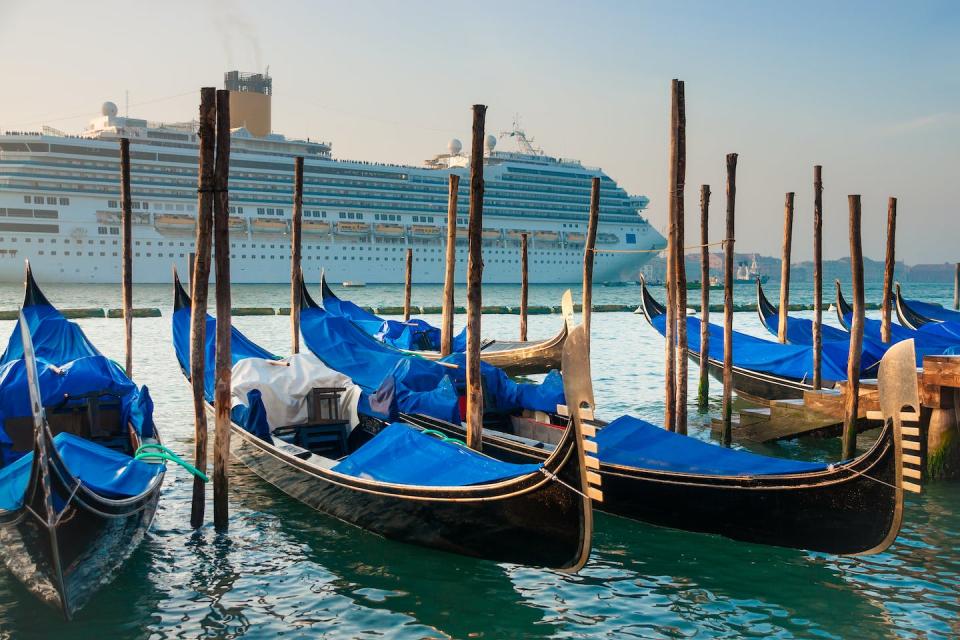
(525, 143)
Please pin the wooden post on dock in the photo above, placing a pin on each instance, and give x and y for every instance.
(888, 266)
(817, 275)
(446, 322)
(199, 279)
(670, 333)
(524, 285)
(126, 264)
(408, 286)
(956, 287)
(852, 404)
(221, 248)
(703, 389)
(589, 253)
(296, 242)
(474, 280)
(679, 176)
(785, 267)
(726, 435)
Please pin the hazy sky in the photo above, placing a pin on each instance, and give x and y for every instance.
(870, 90)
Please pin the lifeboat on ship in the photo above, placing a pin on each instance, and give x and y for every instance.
(108, 217)
(424, 231)
(174, 221)
(353, 228)
(237, 223)
(607, 238)
(576, 237)
(547, 236)
(491, 234)
(268, 225)
(316, 227)
(514, 234)
(389, 230)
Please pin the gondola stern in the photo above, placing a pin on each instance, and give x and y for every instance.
(325, 290)
(765, 309)
(32, 295)
(843, 308)
(907, 316)
(306, 300)
(648, 304)
(181, 299)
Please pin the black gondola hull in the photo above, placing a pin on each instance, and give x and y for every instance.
(492, 523)
(66, 564)
(834, 511)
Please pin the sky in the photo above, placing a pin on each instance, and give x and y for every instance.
(870, 90)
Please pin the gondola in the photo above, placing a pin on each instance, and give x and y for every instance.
(915, 314)
(666, 479)
(799, 330)
(419, 337)
(74, 501)
(762, 370)
(394, 480)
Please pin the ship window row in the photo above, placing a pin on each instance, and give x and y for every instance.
(45, 200)
(386, 217)
(350, 215)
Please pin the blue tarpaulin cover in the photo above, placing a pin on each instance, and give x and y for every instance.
(68, 365)
(928, 341)
(414, 335)
(633, 442)
(107, 473)
(408, 383)
(402, 455)
(800, 330)
(785, 360)
(934, 311)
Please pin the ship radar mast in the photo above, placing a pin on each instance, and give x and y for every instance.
(525, 143)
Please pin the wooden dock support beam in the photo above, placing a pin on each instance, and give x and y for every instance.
(785, 267)
(679, 177)
(726, 432)
(199, 279)
(474, 280)
(524, 286)
(296, 253)
(956, 287)
(126, 264)
(589, 253)
(221, 248)
(703, 388)
(408, 286)
(817, 276)
(888, 266)
(670, 332)
(856, 333)
(450, 265)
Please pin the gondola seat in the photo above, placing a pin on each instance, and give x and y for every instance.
(328, 439)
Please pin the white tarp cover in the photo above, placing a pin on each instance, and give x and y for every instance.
(284, 385)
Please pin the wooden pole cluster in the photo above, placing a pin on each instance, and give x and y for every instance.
(199, 279)
(408, 286)
(679, 178)
(817, 274)
(785, 267)
(474, 279)
(888, 265)
(589, 253)
(726, 434)
(126, 265)
(851, 407)
(221, 248)
(446, 322)
(296, 242)
(703, 388)
(524, 285)
(670, 332)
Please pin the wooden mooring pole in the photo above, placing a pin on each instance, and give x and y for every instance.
(589, 253)
(450, 265)
(785, 267)
(726, 434)
(296, 242)
(126, 264)
(680, 425)
(670, 332)
(524, 285)
(703, 388)
(888, 266)
(199, 279)
(408, 285)
(852, 404)
(956, 287)
(474, 280)
(221, 248)
(817, 275)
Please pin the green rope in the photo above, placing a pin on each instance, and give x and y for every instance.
(159, 452)
(442, 437)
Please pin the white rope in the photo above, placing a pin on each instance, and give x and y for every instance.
(553, 476)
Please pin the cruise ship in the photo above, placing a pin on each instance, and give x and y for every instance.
(59, 205)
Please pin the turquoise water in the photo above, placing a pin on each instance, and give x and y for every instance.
(284, 570)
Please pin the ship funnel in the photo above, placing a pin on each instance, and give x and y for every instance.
(250, 101)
